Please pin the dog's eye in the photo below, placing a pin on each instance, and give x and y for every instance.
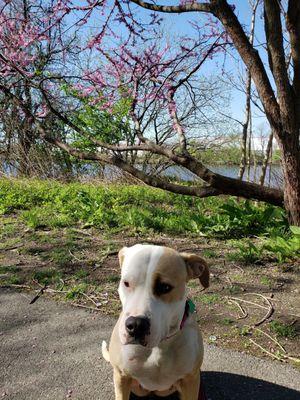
(162, 288)
(126, 283)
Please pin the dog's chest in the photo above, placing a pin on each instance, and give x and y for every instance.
(160, 369)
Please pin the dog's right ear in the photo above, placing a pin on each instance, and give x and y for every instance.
(121, 255)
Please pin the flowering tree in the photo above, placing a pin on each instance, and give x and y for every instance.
(158, 86)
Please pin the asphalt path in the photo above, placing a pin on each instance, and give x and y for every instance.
(51, 350)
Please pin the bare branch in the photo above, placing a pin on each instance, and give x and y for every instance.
(182, 8)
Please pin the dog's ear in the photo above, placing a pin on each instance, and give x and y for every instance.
(121, 255)
(196, 268)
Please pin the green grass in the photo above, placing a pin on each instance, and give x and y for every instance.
(14, 280)
(247, 252)
(283, 330)
(46, 276)
(9, 269)
(137, 209)
(208, 299)
(76, 291)
(209, 253)
(266, 281)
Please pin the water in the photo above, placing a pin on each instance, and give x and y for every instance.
(273, 174)
(273, 177)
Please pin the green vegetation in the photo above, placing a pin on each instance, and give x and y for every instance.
(282, 248)
(282, 330)
(46, 276)
(229, 153)
(142, 210)
(50, 204)
(247, 252)
(209, 298)
(76, 291)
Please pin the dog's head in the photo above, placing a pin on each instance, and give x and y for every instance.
(153, 291)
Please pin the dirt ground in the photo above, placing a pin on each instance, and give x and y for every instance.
(253, 308)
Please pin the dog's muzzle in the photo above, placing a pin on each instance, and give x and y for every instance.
(137, 328)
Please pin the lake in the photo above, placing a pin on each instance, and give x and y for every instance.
(273, 177)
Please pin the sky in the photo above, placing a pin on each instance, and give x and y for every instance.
(237, 103)
(176, 24)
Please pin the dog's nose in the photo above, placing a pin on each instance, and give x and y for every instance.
(137, 327)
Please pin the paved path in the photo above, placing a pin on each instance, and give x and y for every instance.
(52, 351)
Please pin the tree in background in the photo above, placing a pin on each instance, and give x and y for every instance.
(162, 87)
(22, 22)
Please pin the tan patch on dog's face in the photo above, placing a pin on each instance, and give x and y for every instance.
(169, 277)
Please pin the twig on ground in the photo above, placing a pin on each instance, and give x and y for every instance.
(270, 337)
(269, 312)
(7, 285)
(76, 258)
(89, 298)
(83, 306)
(17, 246)
(249, 302)
(243, 311)
(266, 351)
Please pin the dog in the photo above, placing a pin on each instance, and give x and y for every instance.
(156, 346)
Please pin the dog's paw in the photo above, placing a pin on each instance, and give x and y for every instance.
(105, 352)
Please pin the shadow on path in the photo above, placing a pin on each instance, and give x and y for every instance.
(226, 386)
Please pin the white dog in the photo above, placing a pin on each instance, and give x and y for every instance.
(156, 345)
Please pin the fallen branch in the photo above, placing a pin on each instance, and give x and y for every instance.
(266, 351)
(17, 246)
(83, 306)
(8, 285)
(270, 337)
(243, 311)
(89, 298)
(270, 309)
(249, 302)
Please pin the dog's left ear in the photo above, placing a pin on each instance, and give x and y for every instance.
(121, 255)
(196, 268)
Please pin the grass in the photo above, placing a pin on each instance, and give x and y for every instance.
(9, 269)
(46, 276)
(76, 291)
(208, 299)
(282, 330)
(50, 204)
(266, 281)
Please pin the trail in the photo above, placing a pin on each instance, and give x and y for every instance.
(51, 350)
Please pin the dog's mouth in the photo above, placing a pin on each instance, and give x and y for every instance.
(137, 341)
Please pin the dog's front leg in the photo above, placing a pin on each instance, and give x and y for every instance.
(189, 387)
(122, 385)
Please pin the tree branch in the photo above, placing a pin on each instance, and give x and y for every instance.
(182, 8)
(224, 12)
(218, 184)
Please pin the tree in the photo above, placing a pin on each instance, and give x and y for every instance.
(30, 37)
(283, 107)
(157, 82)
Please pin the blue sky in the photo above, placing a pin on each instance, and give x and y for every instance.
(179, 24)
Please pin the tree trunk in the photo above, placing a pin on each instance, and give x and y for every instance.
(291, 171)
(266, 160)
